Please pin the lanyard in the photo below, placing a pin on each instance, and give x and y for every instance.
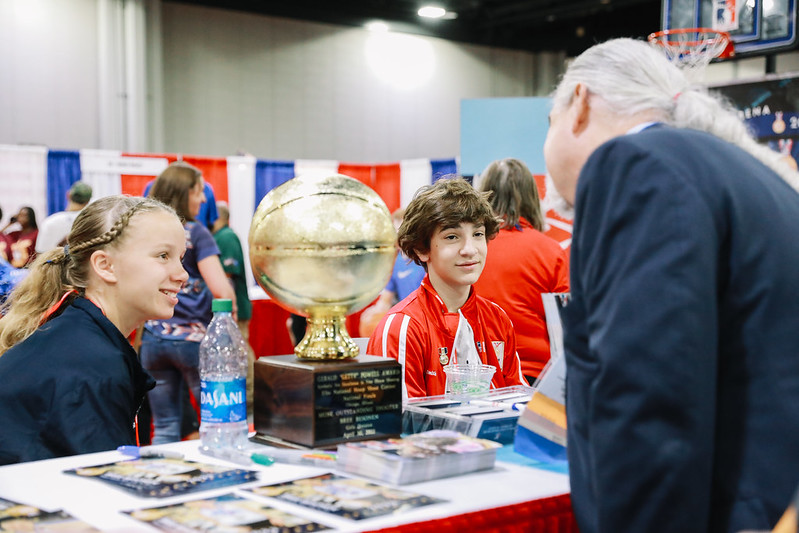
(463, 349)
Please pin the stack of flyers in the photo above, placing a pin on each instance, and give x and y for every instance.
(161, 477)
(420, 457)
(19, 517)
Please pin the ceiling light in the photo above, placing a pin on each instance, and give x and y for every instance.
(432, 12)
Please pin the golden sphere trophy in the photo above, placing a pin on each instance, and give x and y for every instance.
(323, 247)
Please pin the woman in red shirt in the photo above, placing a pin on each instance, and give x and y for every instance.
(522, 262)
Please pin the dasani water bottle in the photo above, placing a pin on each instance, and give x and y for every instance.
(223, 377)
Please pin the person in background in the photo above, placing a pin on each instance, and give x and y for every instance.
(232, 257)
(207, 215)
(446, 229)
(522, 262)
(9, 278)
(682, 388)
(19, 245)
(405, 278)
(170, 348)
(72, 383)
(9, 275)
(55, 228)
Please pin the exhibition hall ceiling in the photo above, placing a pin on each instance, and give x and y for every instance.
(533, 25)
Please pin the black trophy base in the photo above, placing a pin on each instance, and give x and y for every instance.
(303, 403)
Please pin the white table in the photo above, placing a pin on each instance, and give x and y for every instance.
(43, 484)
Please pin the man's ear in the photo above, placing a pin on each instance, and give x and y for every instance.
(581, 109)
(103, 265)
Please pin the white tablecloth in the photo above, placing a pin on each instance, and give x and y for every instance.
(43, 484)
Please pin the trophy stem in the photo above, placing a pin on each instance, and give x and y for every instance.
(326, 337)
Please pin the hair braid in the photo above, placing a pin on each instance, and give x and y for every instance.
(111, 235)
(58, 256)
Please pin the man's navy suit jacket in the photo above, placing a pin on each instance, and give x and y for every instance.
(682, 338)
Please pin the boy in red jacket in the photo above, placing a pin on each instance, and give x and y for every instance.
(446, 230)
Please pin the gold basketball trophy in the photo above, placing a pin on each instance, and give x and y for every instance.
(323, 247)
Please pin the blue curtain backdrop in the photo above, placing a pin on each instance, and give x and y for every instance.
(442, 167)
(63, 169)
(270, 174)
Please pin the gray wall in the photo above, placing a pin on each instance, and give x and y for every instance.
(48, 73)
(279, 88)
(139, 75)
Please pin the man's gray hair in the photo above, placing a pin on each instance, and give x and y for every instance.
(632, 76)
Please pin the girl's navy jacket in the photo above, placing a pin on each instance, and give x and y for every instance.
(72, 387)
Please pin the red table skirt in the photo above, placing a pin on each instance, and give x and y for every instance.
(269, 334)
(547, 515)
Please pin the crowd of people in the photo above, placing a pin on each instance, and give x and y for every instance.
(680, 334)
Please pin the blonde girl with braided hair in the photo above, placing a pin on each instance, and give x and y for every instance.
(72, 383)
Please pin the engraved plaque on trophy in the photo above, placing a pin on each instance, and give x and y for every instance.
(319, 404)
(324, 247)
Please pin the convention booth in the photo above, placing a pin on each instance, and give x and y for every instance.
(519, 494)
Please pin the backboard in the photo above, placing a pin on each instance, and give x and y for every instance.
(757, 27)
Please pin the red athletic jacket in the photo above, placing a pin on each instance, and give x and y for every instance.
(521, 265)
(419, 333)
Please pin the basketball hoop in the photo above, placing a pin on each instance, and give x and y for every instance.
(693, 48)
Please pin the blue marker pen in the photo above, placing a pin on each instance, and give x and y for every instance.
(139, 453)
